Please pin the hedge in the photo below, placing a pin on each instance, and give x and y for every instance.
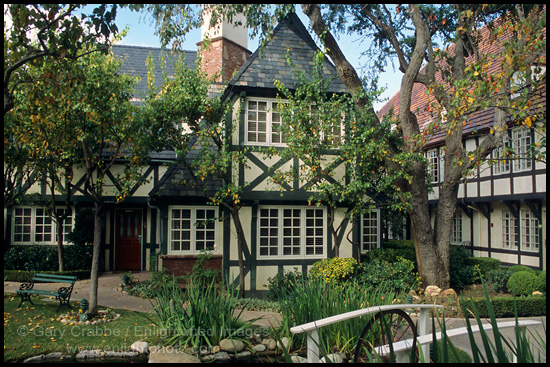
(504, 306)
(26, 276)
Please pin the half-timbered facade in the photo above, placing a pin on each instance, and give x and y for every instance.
(501, 210)
(159, 218)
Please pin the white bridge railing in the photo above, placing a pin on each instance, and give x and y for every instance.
(312, 328)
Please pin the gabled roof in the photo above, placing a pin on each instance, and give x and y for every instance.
(263, 68)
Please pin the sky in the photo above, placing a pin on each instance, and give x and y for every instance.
(141, 33)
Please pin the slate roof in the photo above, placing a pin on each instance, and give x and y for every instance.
(135, 57)
(262, 69)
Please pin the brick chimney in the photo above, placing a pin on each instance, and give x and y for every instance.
(227, 50)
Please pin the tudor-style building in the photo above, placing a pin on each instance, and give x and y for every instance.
(158, 219)
(501, 210)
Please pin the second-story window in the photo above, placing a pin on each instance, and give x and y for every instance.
(433, 165)
(263, 122)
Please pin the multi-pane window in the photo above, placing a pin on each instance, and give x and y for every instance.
(519, 143)
(522, 142)
(33, 225)
(263, 122)
(456, 230)
(529, 231)
(433, 165)
(503, 162)
(509, 237)
(370, 231)
(291, 232)
(192, 230)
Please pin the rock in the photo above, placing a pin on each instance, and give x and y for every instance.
(171, 355)
(537, 293)
(332, 358)
(140, 347)
(222, 357)
(89, 354)
(432, 290)
(271, 344)
(230, 345)
(449, 292)
(283, 344)
(243, 354)
(259, 348)
(298, 359)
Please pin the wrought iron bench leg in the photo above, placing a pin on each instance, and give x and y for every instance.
(25, 297)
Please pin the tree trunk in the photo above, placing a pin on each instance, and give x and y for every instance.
(60, 256)
(240, 242)
(430, 255)
(95, 261)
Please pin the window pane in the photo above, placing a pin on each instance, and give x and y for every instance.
(269, 232)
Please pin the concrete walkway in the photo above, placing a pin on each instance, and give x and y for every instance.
(109, 296)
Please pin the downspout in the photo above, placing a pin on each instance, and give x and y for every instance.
(159, 229)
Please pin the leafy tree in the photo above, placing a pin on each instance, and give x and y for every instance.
(84, 122)
(466, 85)
(317, 124)
(185, 117)
(37, 33)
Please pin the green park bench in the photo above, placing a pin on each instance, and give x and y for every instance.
(63, 294)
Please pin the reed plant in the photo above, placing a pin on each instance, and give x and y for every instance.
(313, 298)
(527, 346)
(200, 315)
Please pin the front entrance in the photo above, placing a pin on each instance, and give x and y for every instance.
(128, 239)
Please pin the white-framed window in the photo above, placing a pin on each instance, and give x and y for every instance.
(503, 163)
(33, 225)
(509, 236)
(456, 230)
(191, 229)
(529, 231)
(434, 165)
(263, 122)
(370, 230)
(298, 232)
(521, 138)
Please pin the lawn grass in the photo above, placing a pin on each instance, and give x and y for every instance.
(33, 330)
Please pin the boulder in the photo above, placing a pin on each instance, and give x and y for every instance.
(163, 355)
(432, 290)
(140, 347)
(283, 344)
(230, 345)
(259, 348)
(449, 292)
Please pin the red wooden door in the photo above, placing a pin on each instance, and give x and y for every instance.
(128, 239)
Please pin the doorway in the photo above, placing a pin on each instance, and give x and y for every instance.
(128, 227)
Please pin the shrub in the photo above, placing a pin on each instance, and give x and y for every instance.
(336, 269)
(498, 279)
(31, 258)
(541, 281)
(522, 283)
(282, 284)
(504, 306)
(392, 250)
(461, 272)
(485, 264)
(398, 276)
(516, 268)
